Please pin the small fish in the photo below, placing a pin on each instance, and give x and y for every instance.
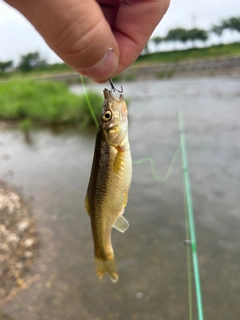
(109, 183)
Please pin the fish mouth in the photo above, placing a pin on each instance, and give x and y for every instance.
(108, 96)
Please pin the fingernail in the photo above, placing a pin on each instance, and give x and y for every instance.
(105, 68)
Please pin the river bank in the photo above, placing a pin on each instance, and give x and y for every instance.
(46, 103)
(191, 68)
(225, 66)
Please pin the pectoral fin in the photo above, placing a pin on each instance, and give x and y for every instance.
(121, 224)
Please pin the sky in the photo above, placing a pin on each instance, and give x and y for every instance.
(18, 36)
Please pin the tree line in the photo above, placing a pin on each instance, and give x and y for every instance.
(27, 63)
(33, 60)
(185, 36)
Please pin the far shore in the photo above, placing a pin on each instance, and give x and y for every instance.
(181, 65)
(229, 66)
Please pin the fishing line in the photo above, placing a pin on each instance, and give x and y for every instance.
(88, 101)
(154, 173)
(193, 242)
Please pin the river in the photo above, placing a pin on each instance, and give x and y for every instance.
(52, 174)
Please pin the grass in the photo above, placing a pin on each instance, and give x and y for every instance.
(228, 50)
(45, 103)
(37, 72)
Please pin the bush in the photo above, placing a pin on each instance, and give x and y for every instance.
(46, 102)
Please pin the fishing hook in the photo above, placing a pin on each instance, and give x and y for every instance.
(113, 87)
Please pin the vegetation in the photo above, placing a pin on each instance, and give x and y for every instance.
(5, 65)
(193, 35)
(232, 24)
(45, 102)
(31, 61)
(184, 35)
(229, 50)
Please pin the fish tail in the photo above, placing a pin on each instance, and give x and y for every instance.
(108, 266)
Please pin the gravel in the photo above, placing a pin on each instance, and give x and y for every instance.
(18, 241)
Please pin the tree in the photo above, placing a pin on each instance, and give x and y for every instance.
(232, 24)
(218, 30)
(178, 34)
(197, 34)
(5, 65)
(31, 61)
(185, 35)
(156, 40)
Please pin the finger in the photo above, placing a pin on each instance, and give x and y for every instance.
(134, 24)
(77, 31)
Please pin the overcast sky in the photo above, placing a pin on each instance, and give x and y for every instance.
(17, 36)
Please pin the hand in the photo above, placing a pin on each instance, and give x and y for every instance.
(97, 38)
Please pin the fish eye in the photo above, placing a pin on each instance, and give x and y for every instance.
(107, 115)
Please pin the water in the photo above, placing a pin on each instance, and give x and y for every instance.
(52, 174)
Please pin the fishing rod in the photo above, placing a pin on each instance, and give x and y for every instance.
(193, 241)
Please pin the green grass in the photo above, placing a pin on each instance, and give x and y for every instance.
(46, 103)
(228, 50)
(57, 68)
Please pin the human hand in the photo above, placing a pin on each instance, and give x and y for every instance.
(97, 38)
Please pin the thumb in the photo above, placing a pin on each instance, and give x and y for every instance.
(77, 31)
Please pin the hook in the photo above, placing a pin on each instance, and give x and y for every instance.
(113, 87)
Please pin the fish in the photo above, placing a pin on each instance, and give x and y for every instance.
(109, 183)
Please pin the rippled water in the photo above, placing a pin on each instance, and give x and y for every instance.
(53, 171)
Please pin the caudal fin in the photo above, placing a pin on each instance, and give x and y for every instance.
(108, 266)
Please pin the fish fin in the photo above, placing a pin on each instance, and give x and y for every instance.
(87, 205)
(121, 224)
(107, 266)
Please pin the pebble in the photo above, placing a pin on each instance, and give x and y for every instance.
(19, 265)
(139, 295)
(4, 248)
(3, 230)
(22, 226)
(20, 282)
(13, 239)
(28, 254)
(28, 243)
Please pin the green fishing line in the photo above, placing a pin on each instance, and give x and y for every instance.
(190, 217)
(189, 261)
(88, 101)
(154, 173)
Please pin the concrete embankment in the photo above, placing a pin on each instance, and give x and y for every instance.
(191, 68)
(204, 67)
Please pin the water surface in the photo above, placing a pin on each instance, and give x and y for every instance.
(52, 174)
